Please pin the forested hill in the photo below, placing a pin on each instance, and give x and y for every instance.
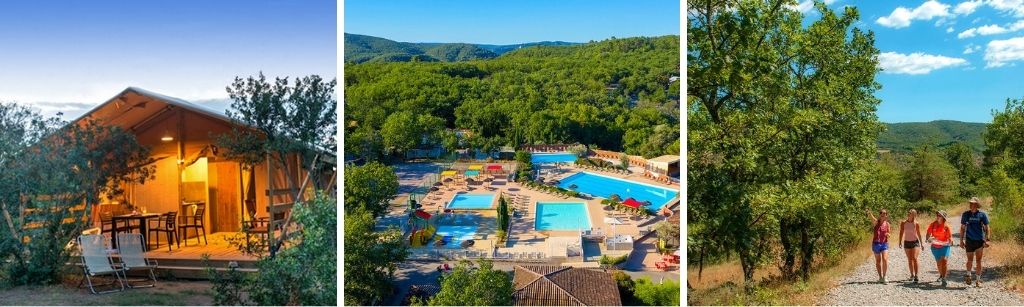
(616, 94)
(907, 136)
(364, 48)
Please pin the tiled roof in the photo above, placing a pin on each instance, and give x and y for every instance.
(544, 285)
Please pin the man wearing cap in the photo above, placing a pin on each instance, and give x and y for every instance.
(974, 237)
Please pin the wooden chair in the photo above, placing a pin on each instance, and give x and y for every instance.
(195, 222)
(167, 224)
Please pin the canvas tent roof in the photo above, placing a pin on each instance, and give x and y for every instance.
(133, 107)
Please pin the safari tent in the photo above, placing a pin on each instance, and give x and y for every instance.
(190, 169)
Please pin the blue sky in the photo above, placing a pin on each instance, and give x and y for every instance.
(945, 59)
(72, 55)
(510, 22)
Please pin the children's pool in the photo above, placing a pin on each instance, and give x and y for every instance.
(472, 201)
(562, 216)
(604, 186)
(458, 234)
(559, 157)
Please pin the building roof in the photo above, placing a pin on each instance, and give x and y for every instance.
(665, 159)
(545, 285)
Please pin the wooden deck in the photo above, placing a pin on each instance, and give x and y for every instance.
(187, 262)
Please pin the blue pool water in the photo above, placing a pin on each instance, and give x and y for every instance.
(471, 201)
(472, 173)
(559, 157)
(603, 186)
(562, 216)
(458, 233)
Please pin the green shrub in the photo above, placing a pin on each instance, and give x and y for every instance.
(664, 294)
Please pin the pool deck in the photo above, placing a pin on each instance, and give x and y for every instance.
(523, 235)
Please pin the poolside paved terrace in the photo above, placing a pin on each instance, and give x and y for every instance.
(523, 237)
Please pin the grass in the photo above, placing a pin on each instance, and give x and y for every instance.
(722, 284)
(67, 293)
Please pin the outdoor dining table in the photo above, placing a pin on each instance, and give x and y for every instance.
(143, 219)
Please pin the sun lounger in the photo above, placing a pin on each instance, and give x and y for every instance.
(96, 261)
(133, 258)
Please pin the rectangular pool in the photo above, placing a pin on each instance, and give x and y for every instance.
(557, 157)
(604, 186)
(458, 233)
(562, 216)
(472, 173)
(471, 201)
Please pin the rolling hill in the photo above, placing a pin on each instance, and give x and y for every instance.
(365, 48)
(903, 137)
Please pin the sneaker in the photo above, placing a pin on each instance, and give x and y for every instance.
(881, 280)
(915, 279)
(967, 279)
(884, 282)
(943, 282)
(977, 281)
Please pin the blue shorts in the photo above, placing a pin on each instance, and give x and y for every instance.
(940, 252)
(879, 247)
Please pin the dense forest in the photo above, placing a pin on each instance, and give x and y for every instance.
(783, 138)
(616, 94)
(904, 137)
(364, 48)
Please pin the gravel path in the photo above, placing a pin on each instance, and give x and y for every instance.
(861, 286)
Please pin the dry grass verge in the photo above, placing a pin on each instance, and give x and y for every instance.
(722, 284)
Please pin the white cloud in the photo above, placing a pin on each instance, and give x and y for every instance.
(967, 7)
(901, 16)
(949, 30)
(1002, 52)
(1015, 7)
(991, 30)
(972, 48)
(915, 63)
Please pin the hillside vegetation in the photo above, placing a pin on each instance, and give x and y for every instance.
(904, 137)
(615, 94)
(365, 48)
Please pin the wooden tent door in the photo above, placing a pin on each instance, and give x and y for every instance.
(226, 203)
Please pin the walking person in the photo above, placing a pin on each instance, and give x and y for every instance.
(939, 234)
(974, 238)
(910, 240)
(880, 243)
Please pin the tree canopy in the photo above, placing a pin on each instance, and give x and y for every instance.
(614, 94)
(480, 286)
(370, 188)
(782, 131)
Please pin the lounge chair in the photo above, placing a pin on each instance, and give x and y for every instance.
(96, 261)
(133, 257)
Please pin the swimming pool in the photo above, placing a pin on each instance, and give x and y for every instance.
(604, 186)
(471, 201)
(558, 157)
(458, 233)
(472, 173)
(562, 216)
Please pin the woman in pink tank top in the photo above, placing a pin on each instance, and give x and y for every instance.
(880, 243)
(910, 240)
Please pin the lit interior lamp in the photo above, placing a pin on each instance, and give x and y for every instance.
(167, 137)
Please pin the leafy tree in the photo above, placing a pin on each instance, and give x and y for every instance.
(400, 132)
(371, 258)
(669, 232)
(626, 285)
(284, 118)
(930, 177)
(468, 286)
(1007, 203)
(651, 294)
(782, 124)
(1003, 141)
(961, 157)
(370, 188)
(53, 174)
